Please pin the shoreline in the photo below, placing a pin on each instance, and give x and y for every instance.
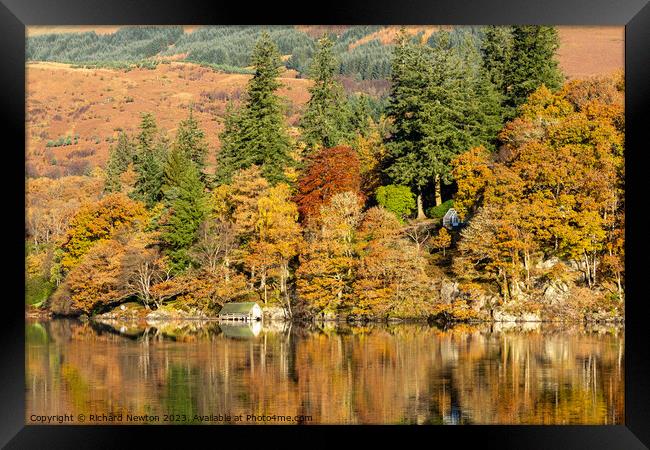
(49, 316)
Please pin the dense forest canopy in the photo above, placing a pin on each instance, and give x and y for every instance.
(341, 215)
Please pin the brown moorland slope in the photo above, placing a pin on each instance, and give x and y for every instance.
(587, 51)
(95, 104)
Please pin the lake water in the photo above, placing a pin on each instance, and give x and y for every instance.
(286, 373)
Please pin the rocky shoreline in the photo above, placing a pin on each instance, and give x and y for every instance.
(134, 312)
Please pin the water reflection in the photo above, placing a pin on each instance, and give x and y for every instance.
(404, 373)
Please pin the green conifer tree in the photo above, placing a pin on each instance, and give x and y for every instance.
(121, 155)
(257, 134)
(496, 50)
(408, 161)
(440, 106)
(326, 121)
(184, 195)
(149, 162)
(190, 139)
(532, 63)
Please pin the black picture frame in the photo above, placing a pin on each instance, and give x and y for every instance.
(15, 15)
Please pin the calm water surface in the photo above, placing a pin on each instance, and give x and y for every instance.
(405, 373)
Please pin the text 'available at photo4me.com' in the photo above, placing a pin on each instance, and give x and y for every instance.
(102, 418)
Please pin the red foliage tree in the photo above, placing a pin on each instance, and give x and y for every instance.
(329, 172)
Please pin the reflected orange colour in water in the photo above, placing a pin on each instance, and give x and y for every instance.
(405, 373)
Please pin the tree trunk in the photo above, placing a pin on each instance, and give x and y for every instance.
(527, 267)
(421, 215)
(438, 191)
(263, 284)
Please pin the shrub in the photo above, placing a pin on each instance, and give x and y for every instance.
(37, 289)
(440, 210)
(397, 199)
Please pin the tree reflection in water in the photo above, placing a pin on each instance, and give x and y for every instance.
(403, 373)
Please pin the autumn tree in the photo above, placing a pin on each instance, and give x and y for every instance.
(247, 186)
(215, 244)
(201, 291)
(442, 240)
(143, 266)
(52, 203)
(128, 265)
(326, 270)
(371, 152)
(96, 222)
(277, 241)
(390, 280)
(329, 171)
(556, 188)
(96, 281)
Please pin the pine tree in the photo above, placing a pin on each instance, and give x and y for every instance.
(149, 162)
(121, 155)
(532, 63)
(326, 121)
(190, 139)
(496, 50)
(487, 110)
(360, 112)
(184, 194)
(408, 161)
(441, 105)
(483, 108)
(257, 134)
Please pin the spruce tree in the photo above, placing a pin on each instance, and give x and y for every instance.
(496, 50)
(440, 106)
(190, 139)
(257, 134)
(487, 110)
(532, 63)
(360, 111)
(326, 121)
(408, 161)
(149, 162)
(121, 155)
(184, 195)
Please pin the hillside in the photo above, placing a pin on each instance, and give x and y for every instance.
(112, 100)
(95, 104)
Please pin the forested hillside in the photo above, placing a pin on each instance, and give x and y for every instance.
(324, 195)
(363, 52)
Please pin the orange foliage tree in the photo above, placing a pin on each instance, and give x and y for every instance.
(96, 222)
(277, 240)
(390, 275)
(556, 187)
(329, 172)
(326, 270)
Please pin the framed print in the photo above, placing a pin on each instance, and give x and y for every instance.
(237, 219)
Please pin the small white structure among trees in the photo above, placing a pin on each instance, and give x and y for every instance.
(246, 311)
(451, 219)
